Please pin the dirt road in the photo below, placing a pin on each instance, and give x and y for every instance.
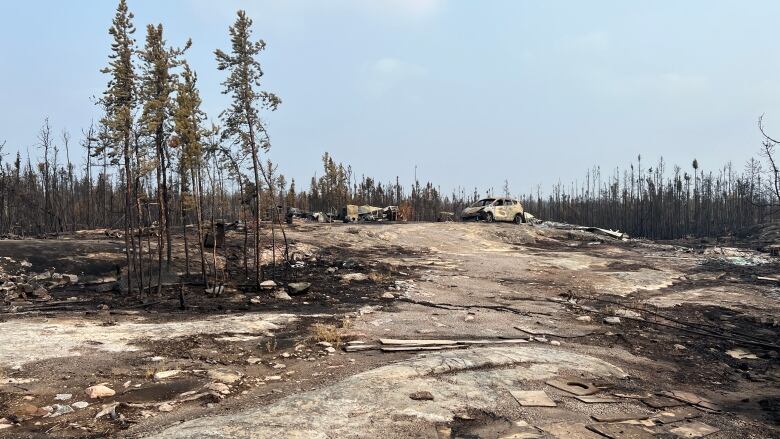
(672, 340)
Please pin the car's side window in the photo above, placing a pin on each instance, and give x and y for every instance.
(500, 203)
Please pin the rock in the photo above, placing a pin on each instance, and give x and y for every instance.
(354, 277)
(254, 360)
(421, 396)
(349, 264)
(584, 318)
(281, 295)
(267, 285)
(273, 378)
(40, 292)
(31, 410)
(331, 270)
(80, 405)
(219, 388)
(59, 410)
(330, 350)
(324, 344)
(256, 300)
(224, 376)
(165, 407)
(627, 313)
(388, 295)
(99, 391)
(679, 347)
(612, 320)
(166, 374)
(63, 396)
(71, 278)
(298, 287)
(469, 317)
(555, 343)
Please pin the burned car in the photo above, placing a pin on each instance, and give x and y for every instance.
(495, 209)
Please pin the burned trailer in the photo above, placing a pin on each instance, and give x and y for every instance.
(352, 213)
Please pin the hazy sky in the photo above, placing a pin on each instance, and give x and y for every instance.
(471, 92)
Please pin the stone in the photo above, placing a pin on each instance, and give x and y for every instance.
(273, 378)
(267, 285)
(330, 350)
(63, 396)
(59, 410)
(612, 320)
(256, 300)
(99, 391)
(165, 407)
(331, 270)
(469, 317)
(741, 354)
(27, 409)
(281, 295)
(71, 278)
(423, 395)
(354, 277)
(224, 376)
(388, 295)
(679, 347)
(166, 374)
(324, 344)
(219, 388)
(40, 292)
(298, 287)
(555, 343)
(80, 405)
(627, 313)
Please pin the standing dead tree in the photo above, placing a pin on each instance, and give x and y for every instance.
(242, 122)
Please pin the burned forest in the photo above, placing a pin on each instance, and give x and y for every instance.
(167, 270)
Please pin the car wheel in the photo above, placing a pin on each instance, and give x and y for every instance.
(488, 217)
(519, 218)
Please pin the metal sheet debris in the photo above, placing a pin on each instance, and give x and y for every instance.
(574, 387)
(533, 398)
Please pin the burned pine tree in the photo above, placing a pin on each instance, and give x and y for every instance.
(242, 122)
(119, 101)
(157, 83)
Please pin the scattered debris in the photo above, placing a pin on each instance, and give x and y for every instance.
(694, 429)
(621, 431)
(574, 387)
(589, 399)
(741, 354)
(677, 414)
(532, 398)
(166, 374)
(620, 417)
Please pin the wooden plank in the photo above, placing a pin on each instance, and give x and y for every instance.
(419, 348)
(397, 342)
